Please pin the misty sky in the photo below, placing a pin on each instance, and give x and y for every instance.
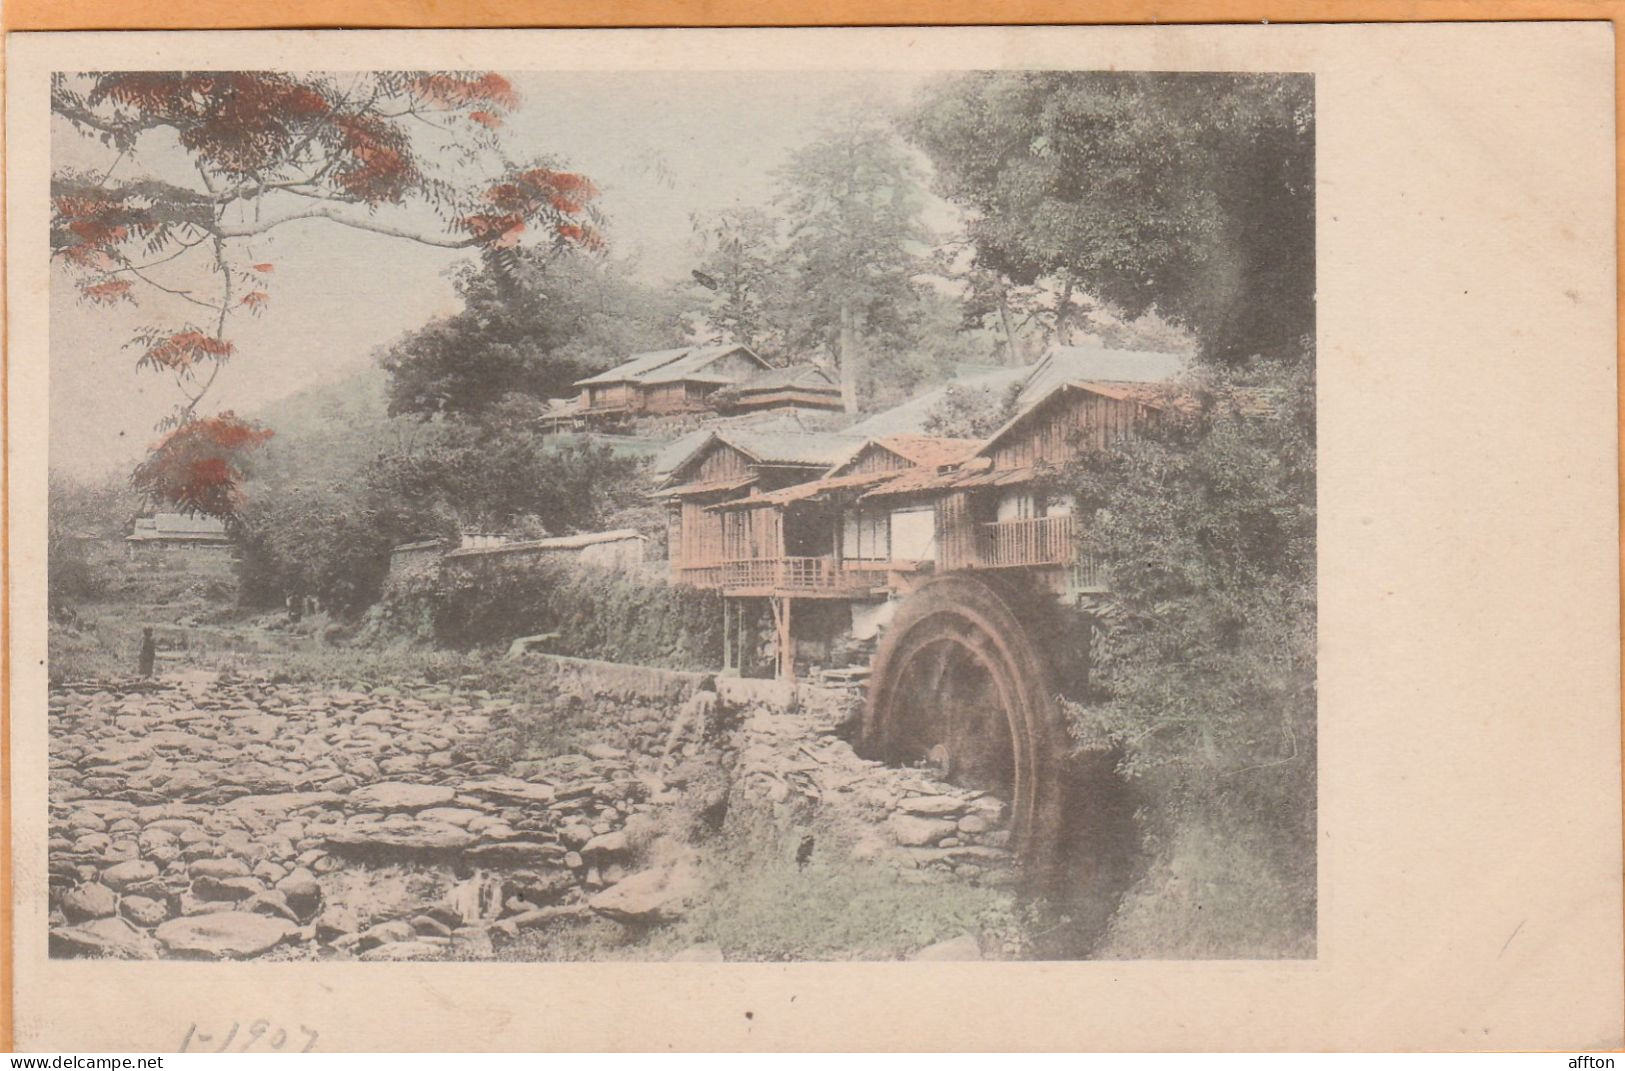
(661, 146)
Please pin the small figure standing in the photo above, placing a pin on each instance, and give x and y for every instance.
(149, 652)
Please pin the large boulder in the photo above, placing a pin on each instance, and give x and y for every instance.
(650, 896)
(912, 831)
(92, 900)
(935, 806)
(224, 935)
(105, 937)
(388, 841)
(511, 788)
(120, 876)
(400, 796)
(302, 892)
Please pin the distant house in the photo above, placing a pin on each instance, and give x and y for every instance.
(820, 538)
(666, 381)
(165, 534)
(1095, 364)
(564, 414)
(798, 387)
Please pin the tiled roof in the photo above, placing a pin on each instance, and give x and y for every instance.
(671, 366)
(910, 417)
(671, 456)
(1154, 395)
(640, 364)
(181, 526)
(928, 450)
(1096, 364)
(800, 492)
(796, 375)
(917, 480)
(703, 487)
(791, 447)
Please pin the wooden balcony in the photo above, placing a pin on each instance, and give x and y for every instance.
(805, 577)
(1035, 541)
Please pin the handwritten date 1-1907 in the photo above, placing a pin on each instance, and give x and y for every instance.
(260, 1035)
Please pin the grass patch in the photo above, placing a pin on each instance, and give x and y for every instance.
(764, 907)
(1216, 892)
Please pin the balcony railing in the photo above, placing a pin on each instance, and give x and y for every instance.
(790, 575)
(1035, 541)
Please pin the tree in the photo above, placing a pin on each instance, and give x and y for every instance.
(739, 268)
(971, 412)
(1189, 193)
(500, 473)
(852, 201)
(202, 161)
(330, 499)
(531, 325)
(80, 512)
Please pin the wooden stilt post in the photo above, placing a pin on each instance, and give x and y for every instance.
(727, 636)
(789, 648)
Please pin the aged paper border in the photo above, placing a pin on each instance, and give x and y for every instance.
(1208, 995)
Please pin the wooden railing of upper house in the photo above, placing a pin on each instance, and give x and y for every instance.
(1034, 541)
(791, 575)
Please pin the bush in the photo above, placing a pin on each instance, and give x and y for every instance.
(1204, 674)
(598, 613)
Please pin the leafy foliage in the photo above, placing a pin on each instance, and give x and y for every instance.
(196, 468)
(502, 474)
(1205, 673)
(78, 513)
(270, 148)
(598, 613)
(743, 294)
(531, 326)
(329, 500)
(852, 203)
(971, 412)
(1189, 193)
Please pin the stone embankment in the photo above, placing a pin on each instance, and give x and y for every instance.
(231, 818)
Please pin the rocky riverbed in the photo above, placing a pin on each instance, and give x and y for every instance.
(237, 818)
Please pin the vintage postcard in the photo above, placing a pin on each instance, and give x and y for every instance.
(534, 524)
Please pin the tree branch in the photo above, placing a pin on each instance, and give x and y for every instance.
(358, 224)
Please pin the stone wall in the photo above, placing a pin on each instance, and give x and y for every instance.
(413, 563)
(632, 707)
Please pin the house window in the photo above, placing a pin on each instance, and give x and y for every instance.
(865, 535)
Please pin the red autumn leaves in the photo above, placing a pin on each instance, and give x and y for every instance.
(558, 198)
(196, 467)
(180, 352)
(268, 144)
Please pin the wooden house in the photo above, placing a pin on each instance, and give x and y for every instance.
(727, 465)
(993, 512)
(813, 540)
(660, 382)
(798, 387)
(163, 536)
(825, 551)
